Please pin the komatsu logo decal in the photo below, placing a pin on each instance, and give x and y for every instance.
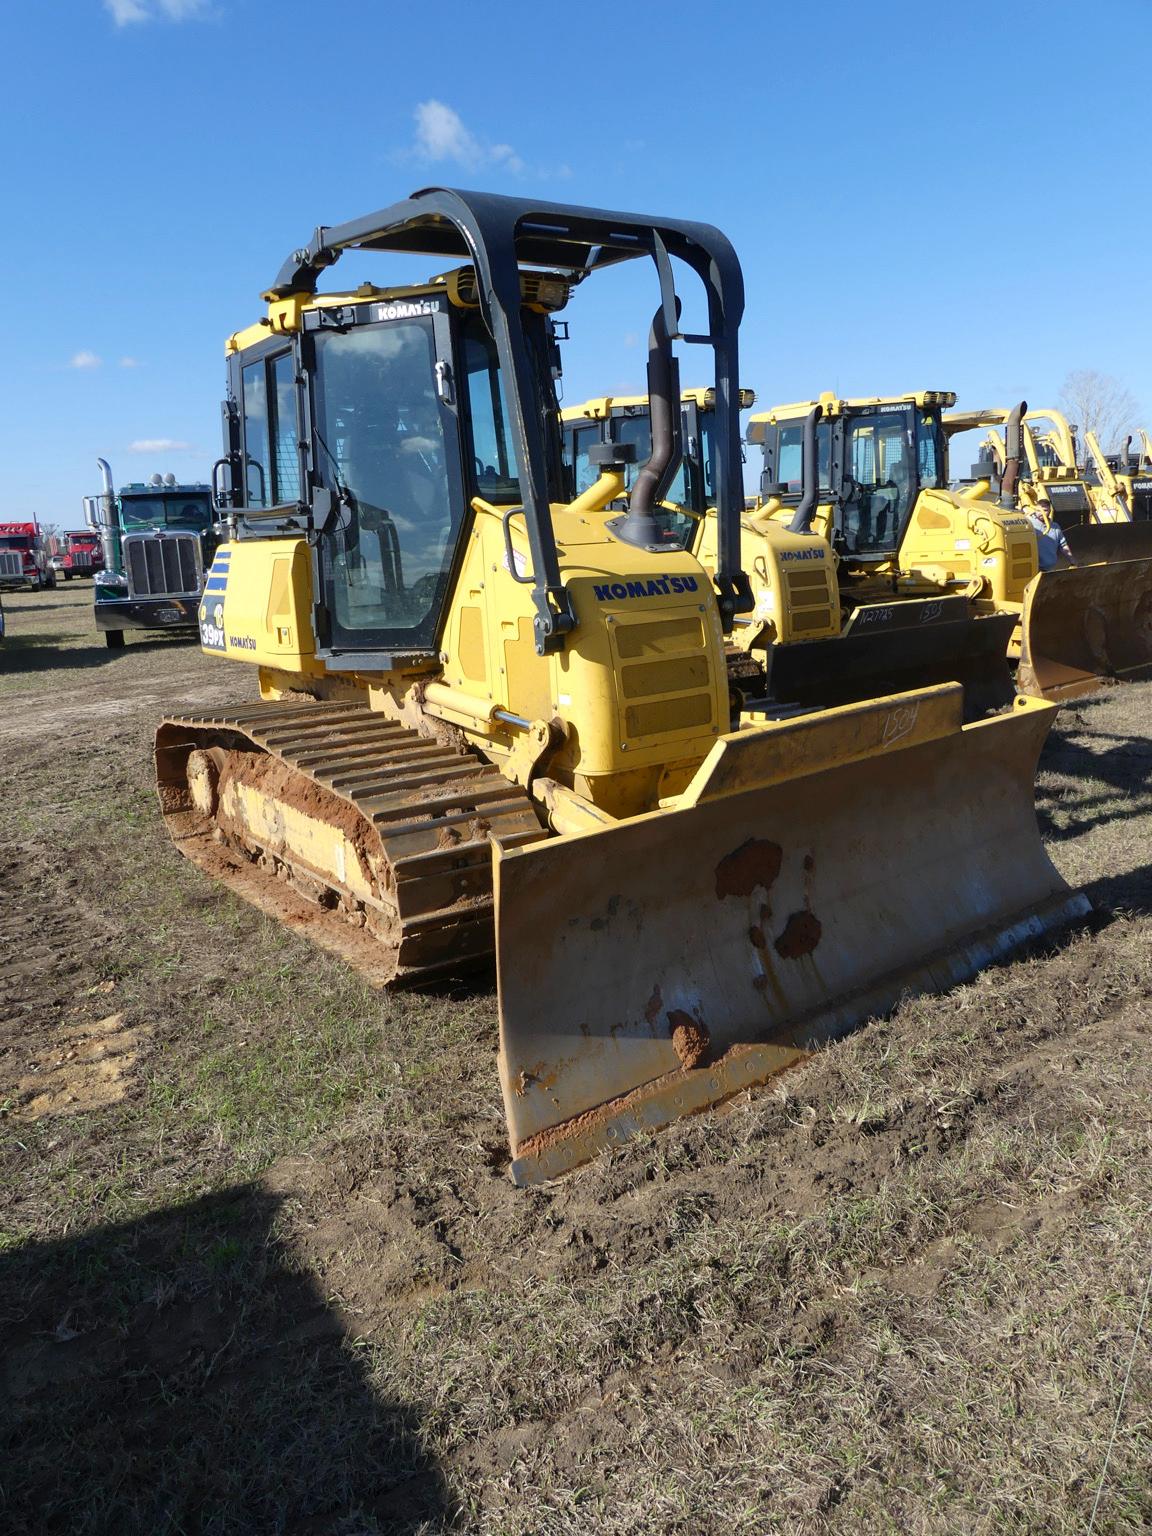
(801, 554)
(658, 586)
(411, 310)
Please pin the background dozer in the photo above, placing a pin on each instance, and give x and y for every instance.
(496, 716)
(1093, 621)
(1123, 480)
(821, 631)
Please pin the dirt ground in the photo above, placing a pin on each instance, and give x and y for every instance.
(262, 1270)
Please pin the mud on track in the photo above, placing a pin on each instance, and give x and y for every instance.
(280, 1282)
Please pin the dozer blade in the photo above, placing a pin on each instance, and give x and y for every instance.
(1093, 543)
(1084, 624)
(895, 647)
(813, 872)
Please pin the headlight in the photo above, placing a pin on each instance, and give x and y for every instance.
(112, 579)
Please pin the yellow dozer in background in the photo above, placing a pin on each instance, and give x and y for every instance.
(495, 717)
(1091, 621)
(1119, 481)
(834, 621)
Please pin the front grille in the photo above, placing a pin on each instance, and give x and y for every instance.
(164, 565)
(81, 559)
(11, 563)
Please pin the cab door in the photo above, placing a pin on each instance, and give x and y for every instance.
(388, 497)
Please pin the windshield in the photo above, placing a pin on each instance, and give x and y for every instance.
(173, 511)
(15, 541)
(886, 451)
(380, 433)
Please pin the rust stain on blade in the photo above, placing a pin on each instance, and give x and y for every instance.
(755, 863)
(800, 937)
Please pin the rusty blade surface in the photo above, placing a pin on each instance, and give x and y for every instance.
(657, 967)
(1084, 624)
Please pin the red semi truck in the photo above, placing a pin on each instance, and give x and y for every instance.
(24, 559)
(76, 554)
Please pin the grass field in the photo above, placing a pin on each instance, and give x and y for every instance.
(262, 1270)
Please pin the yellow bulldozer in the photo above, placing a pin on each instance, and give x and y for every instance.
(1093, 621)
(911, 578)
(837, 617)
(495, 716)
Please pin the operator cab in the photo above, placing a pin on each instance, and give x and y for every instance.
(875, 457)
(407, 410)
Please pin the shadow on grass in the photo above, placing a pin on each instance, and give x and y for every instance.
(1121, 763)
(45, 653)
(175, 1374)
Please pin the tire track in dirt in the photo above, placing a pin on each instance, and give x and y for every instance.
(61, 1051)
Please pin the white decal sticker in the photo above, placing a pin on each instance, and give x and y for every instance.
(405, 311)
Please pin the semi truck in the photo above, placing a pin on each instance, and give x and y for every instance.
(24, 563)
(157, 541)
(76, 553)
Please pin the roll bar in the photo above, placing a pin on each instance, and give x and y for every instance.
(499, 235)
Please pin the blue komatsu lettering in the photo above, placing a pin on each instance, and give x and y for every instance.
(657, 586)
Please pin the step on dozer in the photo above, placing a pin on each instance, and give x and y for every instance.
(496, 718)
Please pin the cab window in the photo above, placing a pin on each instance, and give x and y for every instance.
(493, 452)
(381, 451)
(257, 489)
(286, 458)
(880, 481)
(790, 456)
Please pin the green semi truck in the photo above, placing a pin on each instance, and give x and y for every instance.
(158, 540)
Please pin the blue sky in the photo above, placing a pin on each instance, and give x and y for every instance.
(921, 196)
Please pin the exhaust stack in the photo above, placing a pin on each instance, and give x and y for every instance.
(810, 472)
(1013, 452)
(638, 525)
(109, 523)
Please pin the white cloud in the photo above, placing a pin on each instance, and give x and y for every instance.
(129, 362)
(84, 360)
(159, 445)
(125, 12)
(442, 135)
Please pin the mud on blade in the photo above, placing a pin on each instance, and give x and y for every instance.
(813, 873)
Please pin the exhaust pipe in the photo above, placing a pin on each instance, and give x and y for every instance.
(1013, 452)
(810, 473)
(639, 526)
(1125, 457)
(109, 523)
